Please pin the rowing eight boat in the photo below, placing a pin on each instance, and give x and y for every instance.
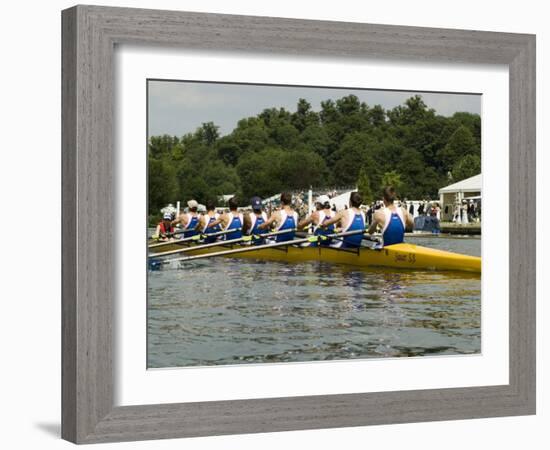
(407, 256)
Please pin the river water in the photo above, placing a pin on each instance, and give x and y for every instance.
(227, 311)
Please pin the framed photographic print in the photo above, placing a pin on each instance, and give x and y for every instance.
(273, 220)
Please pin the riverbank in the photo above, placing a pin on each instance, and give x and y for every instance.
(458, 228)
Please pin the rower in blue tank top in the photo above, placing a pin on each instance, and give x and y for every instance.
(253, 221)
(351, 219)
(285, 218)
(189, 220)
(207, 220)
(322, 214)
(356, 222)
(235, 223)
(392, 219)
(289, 221)
(394, 227)
(192, 222)
(232, 220)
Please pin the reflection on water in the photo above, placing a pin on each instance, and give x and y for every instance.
(229, 311)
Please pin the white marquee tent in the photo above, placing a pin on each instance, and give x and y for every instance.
(469, 188)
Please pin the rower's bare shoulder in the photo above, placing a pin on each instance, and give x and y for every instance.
(379, 214)
(340, 214)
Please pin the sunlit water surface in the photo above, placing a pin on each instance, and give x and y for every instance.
(228, 311)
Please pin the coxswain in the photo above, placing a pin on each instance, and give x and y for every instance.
(206, 219)
(392, 220)
(165, 229)
(283, 219)
(322, 214)
(254, 219)
(350, 219)
(189, 221)
(232, 220)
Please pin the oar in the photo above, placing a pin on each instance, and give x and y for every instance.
(366, 238)
(175, 233)
(218, 243)
(192, 238)
(255, 247)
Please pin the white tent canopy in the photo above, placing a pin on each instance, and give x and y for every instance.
(472, 184)
(454, 194)
(341, 201)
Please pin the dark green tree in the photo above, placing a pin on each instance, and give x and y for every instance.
(251, 135)
(162, 185)
(364, 186)
(284, 135)
(460, 144)
(315, 138)
(392, 178)
(163, 146)
(346, 143)
(228, 150)
(260, 173)
(351, 156)
(301, 169)
(466, 167)
(208, 133)
(304, 116)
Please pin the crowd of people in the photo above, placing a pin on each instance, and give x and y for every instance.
(467, 211)
(279, 221)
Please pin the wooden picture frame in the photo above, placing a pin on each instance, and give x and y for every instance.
(90, 34)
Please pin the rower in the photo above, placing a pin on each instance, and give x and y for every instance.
(350, 219)
(232, 220)
(254, 219)
(284, 219)
(189, 221)
(391, 219)
(206, 219)
(165, 229)
(322, 214)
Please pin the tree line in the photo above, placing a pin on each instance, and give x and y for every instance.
(347, 142)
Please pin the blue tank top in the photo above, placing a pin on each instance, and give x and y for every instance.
(288, 224)
(211, 230)
(191, 225)
(354, 241)
(395, 231)
(256, 230)
(235, 223)
(324, 232)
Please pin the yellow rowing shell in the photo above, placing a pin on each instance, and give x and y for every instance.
(403, 256)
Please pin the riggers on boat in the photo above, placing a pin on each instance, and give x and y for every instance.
(403, 256)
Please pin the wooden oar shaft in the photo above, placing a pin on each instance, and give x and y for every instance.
(258, 247)
(218, 243)
(192, 238)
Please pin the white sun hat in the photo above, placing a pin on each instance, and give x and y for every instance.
(322, 199)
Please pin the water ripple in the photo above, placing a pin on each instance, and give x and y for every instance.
(228, 311)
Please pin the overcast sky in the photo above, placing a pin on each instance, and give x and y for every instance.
(179, 107)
